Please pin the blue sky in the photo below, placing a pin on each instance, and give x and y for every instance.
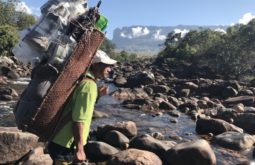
(167, 12)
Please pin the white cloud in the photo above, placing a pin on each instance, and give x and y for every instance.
(158, 36)
(247, 17)
(22, 7)
(122, 34)
(220, 30)
(140, 31)
(183, 32)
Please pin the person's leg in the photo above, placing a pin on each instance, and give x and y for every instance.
(60, 155)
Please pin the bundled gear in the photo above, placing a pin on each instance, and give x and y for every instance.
(61, 47)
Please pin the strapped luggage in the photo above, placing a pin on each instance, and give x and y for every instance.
(39, 109)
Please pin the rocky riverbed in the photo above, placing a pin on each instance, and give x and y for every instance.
(155, 114)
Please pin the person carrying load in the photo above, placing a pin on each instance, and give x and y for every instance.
(67, 145)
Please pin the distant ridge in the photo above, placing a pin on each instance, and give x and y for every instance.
(150, 39)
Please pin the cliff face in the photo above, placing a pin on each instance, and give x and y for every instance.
(150, 39)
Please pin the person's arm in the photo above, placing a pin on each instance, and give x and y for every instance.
(79, 154)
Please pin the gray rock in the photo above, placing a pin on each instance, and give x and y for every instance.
(15, 144)
(173, 101)
(246, 100)
(197, 152)
(36, 157)
(135, 157)
(166, 106)
(191, 85)
(116, 139)
(215, 126)
(140, 78)
(159, 88)
(130, 94)
(246, 121)
(235, 140)
(128, 128)
(185, 92)
(99, 151)
(147, 142)
(229, 92)
(120, 81)
(98, 114)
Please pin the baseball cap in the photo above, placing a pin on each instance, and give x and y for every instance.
(102, 57)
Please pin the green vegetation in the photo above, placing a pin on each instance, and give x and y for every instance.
(230, 54)
(11, 21)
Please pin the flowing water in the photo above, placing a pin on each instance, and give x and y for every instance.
(146, 123)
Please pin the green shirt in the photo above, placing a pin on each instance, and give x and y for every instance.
(81, 104)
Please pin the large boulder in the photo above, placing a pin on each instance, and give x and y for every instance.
(215, 126)
(99, 151)
(135, 157)
(128, 128)
(140, 78)
(197, 152)
(235, 140)
(246, 121)
(116, 139)
(149, 143)
(14, 144)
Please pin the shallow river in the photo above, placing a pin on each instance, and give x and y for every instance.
(146, 123)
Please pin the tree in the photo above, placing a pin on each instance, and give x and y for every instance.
(108, 47)
(24, 20)
(8, 38)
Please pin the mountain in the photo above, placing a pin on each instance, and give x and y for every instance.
(150, 39)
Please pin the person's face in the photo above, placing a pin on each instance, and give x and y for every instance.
(103, 70)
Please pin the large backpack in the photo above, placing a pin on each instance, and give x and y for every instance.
(39, 108)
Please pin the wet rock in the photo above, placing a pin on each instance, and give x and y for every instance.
(8, 72)
(215, 126)
(158, 135)
(197, 152)
(239, 108)
(191, 105)
(166, 106)
(128, 128)
(135, 157)
(147, 142)
(249, 109)
(7, 91)
(98, 114)
(173, 120)
(235, 140)
(246, 92)
(245, 100)
(3, 80)
(229, 92)
(36, 157)
(116, 139)
(173, 101)
(130, 94)
(15, 144)
(227, 114)
(159, 88)
(246, 121)
(120, 81)
(184, 92)
(174, 113)
(191, 85)
(99, 151)
(140, 78)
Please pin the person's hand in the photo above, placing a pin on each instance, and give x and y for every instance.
(103, 90)
(79, 156)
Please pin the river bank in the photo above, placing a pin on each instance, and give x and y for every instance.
(175, 111)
